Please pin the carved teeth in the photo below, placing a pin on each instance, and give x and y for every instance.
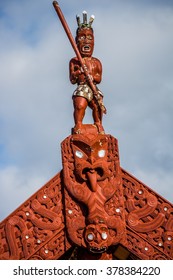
(86, 48)
(98, 250)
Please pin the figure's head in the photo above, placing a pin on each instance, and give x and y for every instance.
(85, 36)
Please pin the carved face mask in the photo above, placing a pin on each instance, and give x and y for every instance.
(85, 41)
(96, 237)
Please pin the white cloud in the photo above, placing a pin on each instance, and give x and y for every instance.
(16, 188)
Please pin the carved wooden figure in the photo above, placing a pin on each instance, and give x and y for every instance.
(83, 95)
(92, 178)
(85, 70)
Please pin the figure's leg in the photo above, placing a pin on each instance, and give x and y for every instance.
(97, 115)
(80, 105)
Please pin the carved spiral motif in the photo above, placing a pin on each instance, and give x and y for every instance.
(152, 201)
(133, 219)
(79, 192)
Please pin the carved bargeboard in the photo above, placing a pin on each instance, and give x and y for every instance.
(94, 201)
(103, 205)
(36, 229)
(149, 220)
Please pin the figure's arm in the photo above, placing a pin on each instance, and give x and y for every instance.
(77, 75)
(97, 71)
(74, 70)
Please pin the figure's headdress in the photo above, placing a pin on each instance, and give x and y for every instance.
(84, 24)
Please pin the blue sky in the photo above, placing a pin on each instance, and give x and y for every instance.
(134, 41)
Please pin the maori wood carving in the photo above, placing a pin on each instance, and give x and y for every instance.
(149, 220)
(93, 197)
(36, 229)
(92, 209)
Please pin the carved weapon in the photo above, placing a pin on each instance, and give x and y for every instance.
(73, 43)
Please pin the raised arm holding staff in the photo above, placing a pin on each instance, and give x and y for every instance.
(85, 71)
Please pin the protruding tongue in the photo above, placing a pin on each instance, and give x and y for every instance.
(92, 176)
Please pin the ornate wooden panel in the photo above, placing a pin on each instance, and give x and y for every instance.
(149, 220)
(36, 229)
(94, 200)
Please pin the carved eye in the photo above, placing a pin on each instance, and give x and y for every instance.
(104, 235)
(81, 38)
(89, 37)
(101, 153)
(79, 154)
(90, 236)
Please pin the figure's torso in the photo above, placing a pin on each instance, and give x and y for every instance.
(94, 68)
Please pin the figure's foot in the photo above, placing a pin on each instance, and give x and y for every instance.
(99, 127)
(77, 128)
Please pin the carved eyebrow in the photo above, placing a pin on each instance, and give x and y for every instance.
(85, 148)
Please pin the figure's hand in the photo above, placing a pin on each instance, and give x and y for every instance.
(79, 74)
(77, 70)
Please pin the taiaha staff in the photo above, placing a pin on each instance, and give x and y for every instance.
(73, 43)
